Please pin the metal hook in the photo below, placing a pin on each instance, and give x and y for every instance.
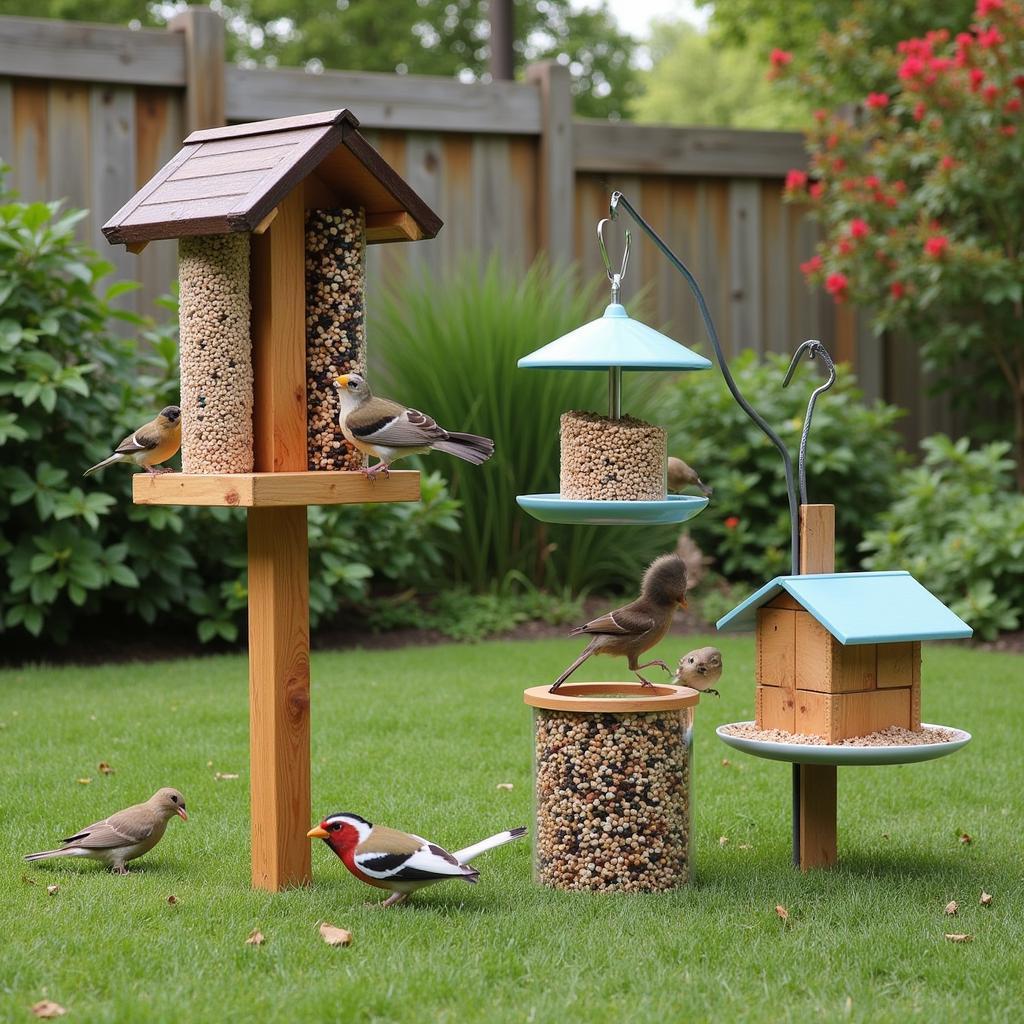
(813, 348)
(613, 276)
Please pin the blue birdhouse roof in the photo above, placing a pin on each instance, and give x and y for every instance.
(614, 339)
(859, 607)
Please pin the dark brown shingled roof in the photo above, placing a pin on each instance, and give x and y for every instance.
(229, 179)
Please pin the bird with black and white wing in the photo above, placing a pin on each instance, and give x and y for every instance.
(389, 431)
(399, 861)
(154, 442)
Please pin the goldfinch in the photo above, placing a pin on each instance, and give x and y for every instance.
(150, 445)
(123, 836)
(700, 669)
(399, 861)
(388, 431)
(636, 627)
(681, 475)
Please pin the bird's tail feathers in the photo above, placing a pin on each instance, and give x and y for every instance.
(46, 854)
(109, 460)
(469, 447)
(466, 855)
(472, 876)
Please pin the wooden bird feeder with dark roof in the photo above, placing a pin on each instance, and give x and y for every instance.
(272, 220)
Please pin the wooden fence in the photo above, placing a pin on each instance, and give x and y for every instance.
(91, 112)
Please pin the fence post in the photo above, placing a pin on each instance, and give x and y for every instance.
(556, 176)
(204, 66)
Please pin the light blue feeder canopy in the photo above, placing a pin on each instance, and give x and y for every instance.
(615, 339)
(859, 607)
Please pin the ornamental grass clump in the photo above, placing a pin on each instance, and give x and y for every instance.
(920, 195)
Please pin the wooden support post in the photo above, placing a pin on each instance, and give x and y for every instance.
(814, 785)
(279, 712)
(204, 66)
(557, 180)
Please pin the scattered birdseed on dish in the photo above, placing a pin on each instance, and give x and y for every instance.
(894, 736)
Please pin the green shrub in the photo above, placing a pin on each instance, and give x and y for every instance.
(450, 348)
(853, 460)
(958, 527)
(78, 555)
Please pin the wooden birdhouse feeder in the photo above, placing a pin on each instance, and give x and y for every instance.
(838, 655)
(272, 220)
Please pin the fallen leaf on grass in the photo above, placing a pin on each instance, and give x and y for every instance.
(964, 838)
(52, 890)
(255, 938)
(959, 937)
(104, 769)
(782, 912)
(334, 936)
(220, 776)
(27, 880)
(723, 840)
(172, 899)
(744, 846)
(47, 1009)
(986, 898)
(504, 785)
(951, 907)
(726, 762)
(83, 782)
(885, 835)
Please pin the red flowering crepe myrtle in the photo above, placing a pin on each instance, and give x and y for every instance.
(920, 192)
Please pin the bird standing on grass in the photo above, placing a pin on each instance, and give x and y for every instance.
(700, 670)
(636, 627)
(123, 836)
(389, 431)
(681, 475)
(150, 445)
(399, 861)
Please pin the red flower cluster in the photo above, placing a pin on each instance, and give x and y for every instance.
(731, 522)
(811, 266)
(859, 228)
(837, 285)
(985, 7)
(780, 59)
(897, 290)
(877, 100)
(796, 180)
(936, 246)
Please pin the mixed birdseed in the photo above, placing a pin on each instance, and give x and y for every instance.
(613, 800)
(893, 736)
(335, 328)
(611, 460)
(216, 354)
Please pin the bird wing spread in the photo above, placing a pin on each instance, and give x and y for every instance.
(381, 422)
(621, 622)
(143, 440)
(121, 829)
(426, 862)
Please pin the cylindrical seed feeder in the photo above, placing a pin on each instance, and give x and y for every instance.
(335, 327)
(216, 354)
(613, 786)
(613, 467)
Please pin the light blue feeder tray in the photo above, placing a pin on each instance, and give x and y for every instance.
(553, 508)
(806, 753)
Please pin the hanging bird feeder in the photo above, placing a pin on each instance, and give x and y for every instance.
(613, 468)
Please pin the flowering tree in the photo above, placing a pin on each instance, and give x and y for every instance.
(920, 191)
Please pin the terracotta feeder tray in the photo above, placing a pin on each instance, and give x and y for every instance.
(836, 754)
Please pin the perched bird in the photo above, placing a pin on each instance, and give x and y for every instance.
(123, 836)
(700, 669)
(399, 861)
(637, 627)
(681, 475)
(389, 431)
(150, 445)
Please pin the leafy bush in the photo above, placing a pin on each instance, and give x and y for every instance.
(80, 554)
(853, 460)
(450, 348)
(958, 527)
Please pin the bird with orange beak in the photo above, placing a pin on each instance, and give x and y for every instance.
(399, 861)
(636, 627)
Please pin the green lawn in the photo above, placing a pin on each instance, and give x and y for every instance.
(419, 739)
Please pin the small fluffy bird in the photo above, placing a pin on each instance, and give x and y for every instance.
(150, 445)
(389, 431)
(636, 627)
(700, 670)
(399, 861)
(681, 475)
(123, 836)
